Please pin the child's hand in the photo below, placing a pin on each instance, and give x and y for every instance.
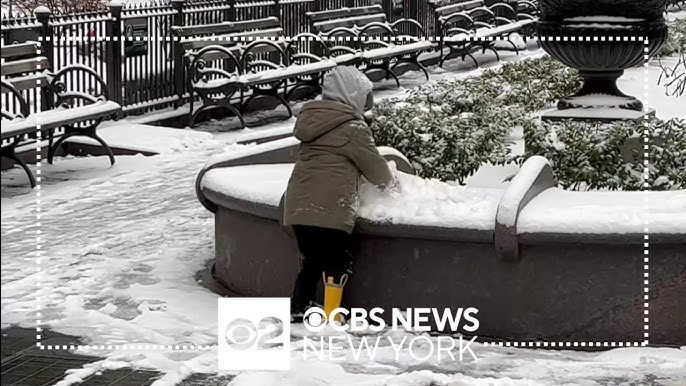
(395, 186)
(368, 117)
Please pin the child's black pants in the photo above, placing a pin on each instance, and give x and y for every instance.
(325, 250)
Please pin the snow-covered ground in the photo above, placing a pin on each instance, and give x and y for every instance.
(120, 247)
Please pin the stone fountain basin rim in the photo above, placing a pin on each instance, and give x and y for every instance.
(566, 26)
(272, 212)
(365, 227)
(632, 22)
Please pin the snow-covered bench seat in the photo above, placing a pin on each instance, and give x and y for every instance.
(465, 26)
(226, 58)
(575, 270)
(63, 113)
(57, 117)
(363, 36)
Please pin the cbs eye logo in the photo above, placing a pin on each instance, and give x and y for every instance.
(316, 320)
(242, 334)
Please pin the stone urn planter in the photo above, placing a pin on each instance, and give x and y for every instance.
(601, 38)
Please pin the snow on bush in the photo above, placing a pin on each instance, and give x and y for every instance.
(611, 156)
(676, 38)
(448, 129)
(445, 146)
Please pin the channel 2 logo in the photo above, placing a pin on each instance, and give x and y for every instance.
(254, 333)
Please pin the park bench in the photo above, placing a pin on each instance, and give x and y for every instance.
(362, 36)
(676, 3)
(465, 26)
(528, 13)
(63, 113)
(248, 57)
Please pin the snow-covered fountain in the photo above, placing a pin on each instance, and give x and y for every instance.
(539, 262)
(601, 38)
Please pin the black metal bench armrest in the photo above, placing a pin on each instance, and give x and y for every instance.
(456, 17)
(291, 48)
(346, 36)
(503, 10)
(525, 17)
(527, 7)
(374, 44)
(336, 51)
(23, 106)
(456, 31)
(248, 55)
(342, 31)
(385, 27)
(306, 57)
(412, 22)
(58, 86)
(499, 20)
(480, 24)
(198, 59)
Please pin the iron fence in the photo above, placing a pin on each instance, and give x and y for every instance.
(145, 70)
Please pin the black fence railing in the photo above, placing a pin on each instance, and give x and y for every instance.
(141, 71)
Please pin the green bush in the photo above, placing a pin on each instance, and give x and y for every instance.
(448, 129)
(529, 84)
(611, 156)
(676, 39)
(446, 146)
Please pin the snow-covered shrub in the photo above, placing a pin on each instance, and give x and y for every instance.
(537, 83)
(528, 84)
(676, 39)
(446, 144)
(448, 129)
(610, 156)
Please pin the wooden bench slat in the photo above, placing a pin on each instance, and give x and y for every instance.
(14, 50)
(195, 45)
(459, 7)
(25, 65)
(349, 22)
(56, 118)
(28, 82)
(443, 3)
(227, 27)
(230, 39)
(343, 12)
(238, 49)
(216, 55)
(396, 50)
(292, 71)
(487, 32)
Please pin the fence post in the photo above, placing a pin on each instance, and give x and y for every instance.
(226, 13)
(232, 10)
(276, 10)
(47, 49)
(179, 67)
(113, 52)
(350, 3)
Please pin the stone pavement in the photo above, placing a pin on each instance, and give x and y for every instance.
(24, 364)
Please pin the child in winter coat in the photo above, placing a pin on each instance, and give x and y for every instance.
(322, 195)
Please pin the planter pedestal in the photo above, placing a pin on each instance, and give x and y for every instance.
(601, 39)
